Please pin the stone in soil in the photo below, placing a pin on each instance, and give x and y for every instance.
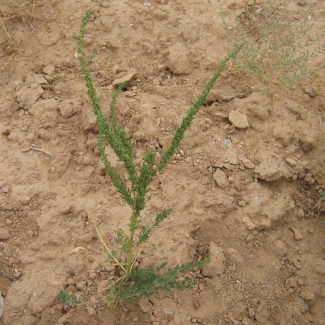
(291, 162)
(145, 305)
(178, 60)
(281, 248)
(297, 233)
(247, 163)
(221, 178)
(127, 77)
(49, 70)
(248, 222)
(25, 199)
(239, 120)
(4, 234)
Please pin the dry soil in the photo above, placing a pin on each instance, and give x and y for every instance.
(244, 192)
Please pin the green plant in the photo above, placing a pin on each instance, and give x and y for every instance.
(137, 283)
(322, 194)
(70, 299)
(277, 47)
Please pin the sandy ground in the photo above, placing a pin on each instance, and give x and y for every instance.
(246, 197)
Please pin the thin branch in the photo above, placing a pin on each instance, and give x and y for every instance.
(135, 259)
(102, 241)
(5, 29)
(35, 148)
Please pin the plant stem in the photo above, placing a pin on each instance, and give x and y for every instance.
(129, 248)
(102, 241)
(130, 242)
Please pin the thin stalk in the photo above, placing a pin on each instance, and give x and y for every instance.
(130, 243)
(135, 259)
(103, 242)
(5, 29)
(113, 284)
(33, 8)
(129, 254)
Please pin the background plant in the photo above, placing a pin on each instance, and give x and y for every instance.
(9, 46)
(27, 6)
(135, 284)
(71, 299)
(278, 47)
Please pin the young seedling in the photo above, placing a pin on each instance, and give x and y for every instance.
(137, 283)
(71, 299)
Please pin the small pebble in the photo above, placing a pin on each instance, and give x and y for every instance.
(70, 281)
(175, 23)
(81, 285)
(145, 305)
(248, 222)
(239, 120)
(291, 162)
(24, 199)
(4, 234)
(296, 263)
(291, 282)
(228, 143)
(169, 313)
(309, 178)
(242, 203)
(247, 163)
(91, 311)
(9, 222)
(297, 233)
(281, 248)
(249, 238)
(221, 178)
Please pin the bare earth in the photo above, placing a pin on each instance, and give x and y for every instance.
(247, 197)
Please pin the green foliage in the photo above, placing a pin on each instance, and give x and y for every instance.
(322, 194)
(145, 282)
(277, 47)
(135, 284)
(70, 299)
(146, 231)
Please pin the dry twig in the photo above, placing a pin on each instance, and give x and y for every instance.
(34, 147)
